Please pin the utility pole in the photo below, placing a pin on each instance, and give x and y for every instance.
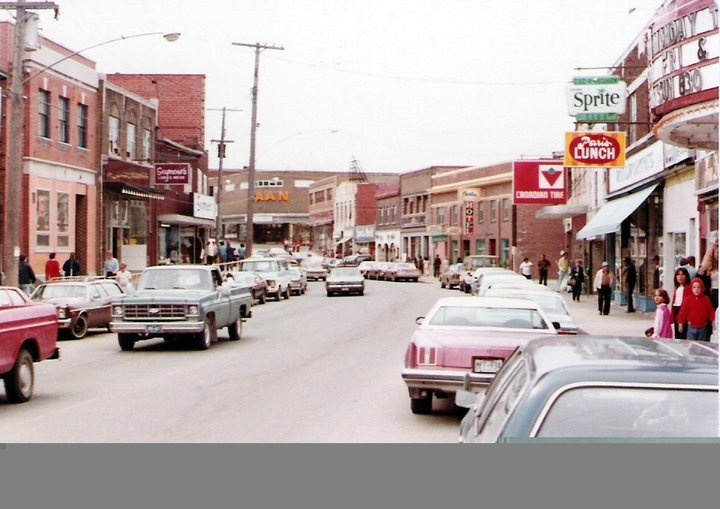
(253, 126)
(218, 190)
(12, 212)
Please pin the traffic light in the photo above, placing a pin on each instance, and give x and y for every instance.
(221, 151)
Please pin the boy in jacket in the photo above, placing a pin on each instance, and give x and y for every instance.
(698, 312)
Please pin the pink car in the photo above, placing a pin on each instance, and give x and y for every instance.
(462, 342)
(28, 334)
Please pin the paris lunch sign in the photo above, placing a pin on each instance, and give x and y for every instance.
(539, 182)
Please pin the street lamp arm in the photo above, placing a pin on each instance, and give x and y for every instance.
(170, 37)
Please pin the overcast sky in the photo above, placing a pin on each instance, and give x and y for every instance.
(398, 85)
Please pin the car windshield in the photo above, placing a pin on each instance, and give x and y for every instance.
(52, 291)
(185, 279)
(260, 265)
(476, 316)
(243, 278)
(632, 412)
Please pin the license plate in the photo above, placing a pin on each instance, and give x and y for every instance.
(488, 365)
(153, 328)
(344, 289)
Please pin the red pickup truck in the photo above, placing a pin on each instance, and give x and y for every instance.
(28, 334)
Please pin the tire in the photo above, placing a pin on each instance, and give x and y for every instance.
(421, 406)
(126, 342)
(79, 328)
(277, 295)
(204, 339)
(361, 293)
(20, 382)
(287, 293)
(235, 329)
(329, 294)
(263, 298)
(442, 284)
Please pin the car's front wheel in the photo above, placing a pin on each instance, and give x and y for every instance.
(126, 342)
(204, 339)
(263, 298)
(235, 329)
(79, 328)
(20, 382)
(287, 293)
(422, 405)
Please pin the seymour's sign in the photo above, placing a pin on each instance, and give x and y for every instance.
(172, 173)
(605, 149)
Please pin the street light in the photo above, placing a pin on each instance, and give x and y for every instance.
(13, 197)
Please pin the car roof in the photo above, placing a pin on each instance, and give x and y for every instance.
(615, 357)
(501, 302)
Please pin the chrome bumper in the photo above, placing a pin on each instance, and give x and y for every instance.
(446, 381)
(156, 327)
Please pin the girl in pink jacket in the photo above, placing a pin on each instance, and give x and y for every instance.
(663, 326)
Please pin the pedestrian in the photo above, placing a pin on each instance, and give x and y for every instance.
(526, 268)
(222, 252)
(111, 265)
(663, 324)
(242, 252)
(436, 266)
(680, 294)
(604, 282)
(708, 272)
(630, 278)
(563, 264)
(426, 266)
(52, 268)
(543, 267)
(421, 265)
(697, 313)
(26, 276)
(210, 252)
(71, 267)
(689, 264)
(577, 278)
(656, 272)
(124, 278)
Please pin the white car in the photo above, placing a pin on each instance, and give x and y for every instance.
(487, 280)
(550, 301)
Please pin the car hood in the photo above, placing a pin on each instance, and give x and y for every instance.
(459, 346)
(170, 296)
(63, 301)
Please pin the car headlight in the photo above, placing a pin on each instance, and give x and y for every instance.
(62, 313)
(193, 310)
(117, 310)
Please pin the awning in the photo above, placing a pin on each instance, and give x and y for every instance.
(179, 219)
(614, 212)
(344, 239)
(560, 211)
(134, 190)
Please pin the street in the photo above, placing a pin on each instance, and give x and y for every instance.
(311, 369)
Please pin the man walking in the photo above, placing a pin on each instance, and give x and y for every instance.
(630, 279)
(543, 267)
(563, 270)
(604, 282)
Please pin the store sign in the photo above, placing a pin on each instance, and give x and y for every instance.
(172, 173)
(540, 182)
(706, 172)
(364, 234)
(591, 96)
(272, 196)
(468, 194)
(684, 46)
(204, 206)
(469, 217)
(605, 149)
(640, 166)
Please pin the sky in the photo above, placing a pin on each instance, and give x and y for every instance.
(387, 85)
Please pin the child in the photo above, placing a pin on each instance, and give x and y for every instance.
(663, 326)
(698, 312)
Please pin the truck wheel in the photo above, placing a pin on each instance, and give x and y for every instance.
(205, 338)
(235, 329)
(126, 342)
(19, 383)
(79, 328)
(421, 405)
(287, 293)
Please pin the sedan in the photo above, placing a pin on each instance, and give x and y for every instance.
(452, 276)
(402, 271)
(462, 342)
(345, 280)
(377, 271)
(314, 269)
(551, 302)
(598, 388)
(298, 281)
(252, 281)
(81, 303)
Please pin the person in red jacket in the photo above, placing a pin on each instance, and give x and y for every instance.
(698, 312)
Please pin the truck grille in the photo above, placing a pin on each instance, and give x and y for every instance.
(154, 311)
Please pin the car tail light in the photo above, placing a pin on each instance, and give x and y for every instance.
(427, 356)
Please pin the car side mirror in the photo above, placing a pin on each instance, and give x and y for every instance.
(419, 320)
(556, 325)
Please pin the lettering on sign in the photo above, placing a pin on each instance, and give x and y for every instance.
(469, 227)
(172, 173)
(272, 196)
(595, 149)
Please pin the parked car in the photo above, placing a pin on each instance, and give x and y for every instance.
(452, 276)
(314, 269)
(487, 280)
(354, 260)
(551, 302)
(598, 387)
(345, 280)
(377, 271)
(472, 262)
(28, 334)
(366, 267)
(274, 271)
(298, 281)
(402, 271)
(252, 281)
(462, 342)
(82, 303)
(470, 277)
